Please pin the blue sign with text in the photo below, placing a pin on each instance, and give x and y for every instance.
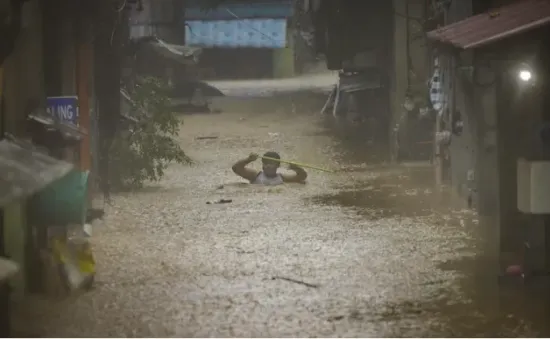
(65, 109)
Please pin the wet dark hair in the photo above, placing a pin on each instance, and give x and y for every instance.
(271, 154)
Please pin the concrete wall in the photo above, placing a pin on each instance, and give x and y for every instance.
(520, 115)
(23, 70)
(499, 122)
(481, 126)
(251, 63)
(474, 172)
(25, 82)
(463, 148)
(418, 47)
(161, 18)
(283, 59)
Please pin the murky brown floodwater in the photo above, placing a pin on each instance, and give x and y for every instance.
(384, 253)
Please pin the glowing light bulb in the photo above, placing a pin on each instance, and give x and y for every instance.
(525, 75)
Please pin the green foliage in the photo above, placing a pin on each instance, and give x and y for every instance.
(142, 151)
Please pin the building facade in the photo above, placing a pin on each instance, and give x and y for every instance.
(496, 60)
(456, 90)
(58, 76)
(243, 40)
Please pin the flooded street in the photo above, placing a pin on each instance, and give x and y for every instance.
(365, 251)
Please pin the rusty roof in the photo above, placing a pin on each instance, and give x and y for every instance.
(494, 25)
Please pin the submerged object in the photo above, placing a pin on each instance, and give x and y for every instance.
(220, 201)
(94, 214)
(75, 259)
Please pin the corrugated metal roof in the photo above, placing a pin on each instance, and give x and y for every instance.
(359, 81)
(24, 171)
(7, 269)
(281, 9)
(494, 25)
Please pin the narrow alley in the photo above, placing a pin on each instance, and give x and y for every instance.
(376, 256)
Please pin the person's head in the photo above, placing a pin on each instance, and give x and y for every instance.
(269, 167)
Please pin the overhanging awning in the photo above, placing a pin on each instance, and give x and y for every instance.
(24, 171)
(184, 54)
(359, 81)
(7, 269)
(67, 131)
(280, 9)
(495, 25)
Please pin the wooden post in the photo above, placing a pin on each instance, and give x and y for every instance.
(84, 64)
(438, 156)
(545, 72)
(2, 111)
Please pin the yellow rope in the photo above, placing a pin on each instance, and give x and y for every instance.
(298, 164)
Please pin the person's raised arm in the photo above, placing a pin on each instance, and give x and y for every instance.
(241, 170)
(299, 176)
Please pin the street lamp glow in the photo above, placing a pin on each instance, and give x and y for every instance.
(525, 75)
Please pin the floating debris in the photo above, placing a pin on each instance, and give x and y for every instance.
(220, 201)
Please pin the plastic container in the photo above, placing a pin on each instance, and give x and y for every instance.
(64, 201)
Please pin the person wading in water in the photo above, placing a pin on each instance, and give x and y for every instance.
(268, 175)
